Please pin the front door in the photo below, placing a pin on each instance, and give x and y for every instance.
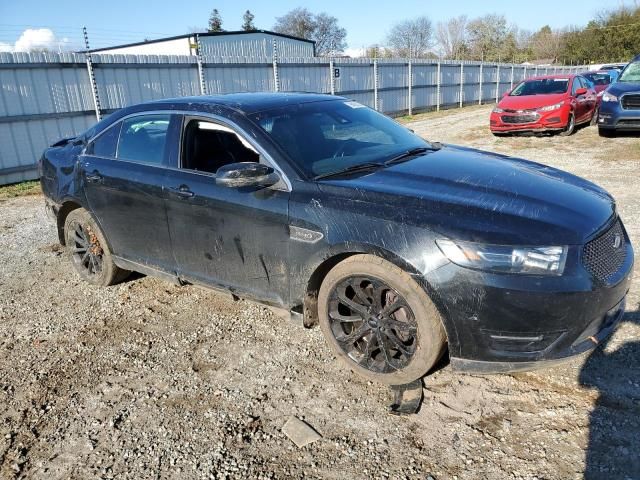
(123, 171)
(236, 238)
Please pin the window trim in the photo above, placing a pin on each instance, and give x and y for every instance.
(207, 116)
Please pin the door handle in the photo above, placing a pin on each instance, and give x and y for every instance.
(182, 191)
(94, 177)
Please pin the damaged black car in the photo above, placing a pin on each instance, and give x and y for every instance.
(400, 249)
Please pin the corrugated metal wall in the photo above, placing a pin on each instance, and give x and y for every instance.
(257, 45)
(44, 97)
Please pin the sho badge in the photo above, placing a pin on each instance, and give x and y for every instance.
(304, 235)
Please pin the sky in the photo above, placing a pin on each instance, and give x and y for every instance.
(367, 22)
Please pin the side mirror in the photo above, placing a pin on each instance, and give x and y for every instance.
(581, 91)
(246, 174)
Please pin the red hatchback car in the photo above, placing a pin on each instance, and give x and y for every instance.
(549, 103)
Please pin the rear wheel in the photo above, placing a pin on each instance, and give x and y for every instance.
(379, 321)
(88, 251)
(571, 126)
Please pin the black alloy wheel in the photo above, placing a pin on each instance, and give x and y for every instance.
(86, 250)
(373, 324)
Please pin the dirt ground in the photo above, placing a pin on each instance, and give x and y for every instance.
(150, 380)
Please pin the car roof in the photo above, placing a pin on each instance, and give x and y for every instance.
(542, 77)
(247, 103)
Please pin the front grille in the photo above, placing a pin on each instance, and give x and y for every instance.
(628, 123)
(631, 101)
(603, 256)
(519, 118)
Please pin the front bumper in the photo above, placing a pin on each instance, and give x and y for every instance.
(544, 121)
(606, 326)
(613, 117)
(500, 322)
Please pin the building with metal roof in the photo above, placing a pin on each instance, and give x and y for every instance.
(255, 44)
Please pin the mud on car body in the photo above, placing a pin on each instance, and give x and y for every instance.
(400, 249)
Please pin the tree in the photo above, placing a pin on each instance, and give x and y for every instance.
(321, 28)
(547, 44)
(451, 37)
(487, 36)
(613, 36)
(329, 36)
(247, 20)
(299, 22)
(411, 38)
(215, 21)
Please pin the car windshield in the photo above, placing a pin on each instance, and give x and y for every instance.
(631, 73)
(598, 78)
(541, 86)
(329, 136)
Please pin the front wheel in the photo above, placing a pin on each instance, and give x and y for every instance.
(379, 321)
(88, 250)
(571, 126)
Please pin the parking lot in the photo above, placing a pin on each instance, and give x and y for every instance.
(150, 380)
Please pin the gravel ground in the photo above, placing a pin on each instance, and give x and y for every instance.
(150, 380)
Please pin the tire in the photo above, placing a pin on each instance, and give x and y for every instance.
(88, 250)
(571, 126)
(606, 132)
(415, 322)
(594, 118)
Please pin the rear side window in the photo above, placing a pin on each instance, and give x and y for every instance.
(105, 145)
(143, 138)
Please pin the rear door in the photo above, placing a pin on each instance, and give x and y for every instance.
(123, 183)
(235, 238)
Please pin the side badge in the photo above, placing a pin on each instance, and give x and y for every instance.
(304, 235)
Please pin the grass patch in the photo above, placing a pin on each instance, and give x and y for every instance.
(20, 189)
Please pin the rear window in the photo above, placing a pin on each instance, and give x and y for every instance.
(598, 78)
(543, 86)
(143, 138)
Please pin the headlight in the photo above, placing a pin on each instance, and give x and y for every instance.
(498, 110)
(607, 97)
(505, 258)
(549, 108)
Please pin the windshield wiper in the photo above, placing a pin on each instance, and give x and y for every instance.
(360, 167)
(412, 153)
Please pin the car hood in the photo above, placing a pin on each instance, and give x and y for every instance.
(479, 196)
(528, 102)
(619, 88)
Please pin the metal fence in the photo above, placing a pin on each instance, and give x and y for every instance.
(44, 97)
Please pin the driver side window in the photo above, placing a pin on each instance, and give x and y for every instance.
(207, 146)
(576, 85)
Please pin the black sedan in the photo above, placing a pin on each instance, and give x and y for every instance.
(398, 248)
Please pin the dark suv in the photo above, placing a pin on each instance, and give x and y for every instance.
(397, 247)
